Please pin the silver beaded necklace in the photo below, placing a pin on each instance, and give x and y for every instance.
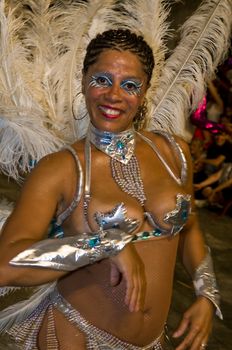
(124, 164)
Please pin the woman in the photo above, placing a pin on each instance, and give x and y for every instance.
(134, 186)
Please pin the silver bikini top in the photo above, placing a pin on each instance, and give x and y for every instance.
(117, 218)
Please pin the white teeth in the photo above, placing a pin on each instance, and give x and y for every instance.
(109, 111)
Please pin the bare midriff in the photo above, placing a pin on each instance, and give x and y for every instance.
(88, 290)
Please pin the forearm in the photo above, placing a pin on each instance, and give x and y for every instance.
(216, 162)
(23, 276)
(191, 246)
(197, 261)
(59, 256)
(210, 180)
(224, 185)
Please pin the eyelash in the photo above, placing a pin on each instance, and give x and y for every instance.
(136, 86)
(94, 82)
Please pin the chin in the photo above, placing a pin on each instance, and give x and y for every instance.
(111, 125)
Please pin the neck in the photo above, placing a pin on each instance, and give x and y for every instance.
(119, 146)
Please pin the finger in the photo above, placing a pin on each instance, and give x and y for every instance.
(182, 327)
(115, 275)
(189, 339)
(129, 288)
(142, 289)
(199, 343)
(133, 304)
(136, 292)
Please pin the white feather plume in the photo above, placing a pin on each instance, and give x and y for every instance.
(24, 141)
(79, 23)
(4, 291)
(6, 208)
(204, 42)
(21, 310)
(24, 126)
(149, 19)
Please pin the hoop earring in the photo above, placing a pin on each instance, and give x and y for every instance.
(73, 112)
(140, 117)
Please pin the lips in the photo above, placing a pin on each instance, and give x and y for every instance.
(110, 112)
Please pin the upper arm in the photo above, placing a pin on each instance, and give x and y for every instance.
(189, 178)
(191, 242)
(37, 203)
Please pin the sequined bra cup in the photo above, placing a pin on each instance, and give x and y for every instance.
(117, 218)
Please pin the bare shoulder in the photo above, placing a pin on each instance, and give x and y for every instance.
(185, 148)
(53, 170)
(163, 144)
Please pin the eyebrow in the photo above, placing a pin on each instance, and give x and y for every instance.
(108, 74)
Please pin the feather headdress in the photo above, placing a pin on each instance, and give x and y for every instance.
(24, 124)
(49, 42)
(204, 43)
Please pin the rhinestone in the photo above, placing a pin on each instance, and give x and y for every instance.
(145, 234)
(184, 215)
(94, 241)
(120, 145)
(157, 232)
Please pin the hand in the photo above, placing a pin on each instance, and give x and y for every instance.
(197, 322)
(197, 187)
(128, 265)
(212, 197)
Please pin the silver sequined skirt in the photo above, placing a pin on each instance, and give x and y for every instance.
(25, 334)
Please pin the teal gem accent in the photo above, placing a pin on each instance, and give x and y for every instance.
(120, 145)
(145, 234)
(184, 215)
(157, 232)
(94, 241)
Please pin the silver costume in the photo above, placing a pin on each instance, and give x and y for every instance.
(205, 283)
(71, 253)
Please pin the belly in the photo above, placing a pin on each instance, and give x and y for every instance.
(89, 291)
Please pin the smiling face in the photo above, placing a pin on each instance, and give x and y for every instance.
(114, 88)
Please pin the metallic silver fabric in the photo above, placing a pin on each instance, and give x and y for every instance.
(177, 148)
(176, 218)
(71, 253)
(119, 146)
(205, 283)
(116, 218)
(79, 189)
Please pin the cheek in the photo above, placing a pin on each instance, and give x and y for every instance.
(134, 101)
(92, 95)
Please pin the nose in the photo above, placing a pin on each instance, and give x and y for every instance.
(114, 93)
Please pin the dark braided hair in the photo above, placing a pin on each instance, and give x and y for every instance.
(121, 40)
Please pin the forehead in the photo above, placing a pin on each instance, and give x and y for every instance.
(118, 62)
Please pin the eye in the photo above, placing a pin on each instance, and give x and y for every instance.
(100, 81)
(132, 87)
